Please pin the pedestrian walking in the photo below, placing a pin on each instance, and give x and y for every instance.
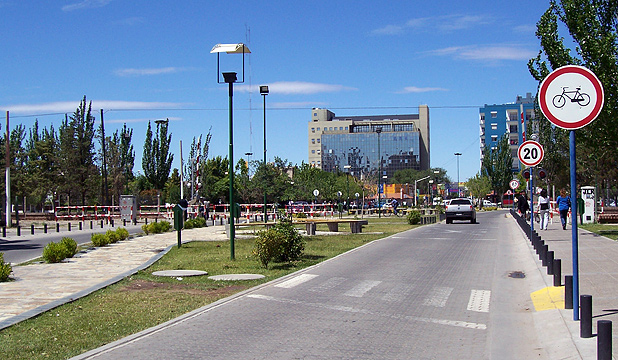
(544, 209)
(564, 204)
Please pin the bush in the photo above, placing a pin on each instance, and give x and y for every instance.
(280, 243)
(122, 233)
(70, 246)
(99, 240)
(145, 229)
(156, 227)
(300, 215)
(54, 252)
(414, 217)
(112, 236)
(5, 269)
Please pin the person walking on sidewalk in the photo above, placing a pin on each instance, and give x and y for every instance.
(564, 204)
(544, 209)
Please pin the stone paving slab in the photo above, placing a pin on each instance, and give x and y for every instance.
(40, 287)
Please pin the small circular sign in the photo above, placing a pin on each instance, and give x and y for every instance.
(530, 153)
(339, 193)
(316, 192)
(514, 184)
(571, 97)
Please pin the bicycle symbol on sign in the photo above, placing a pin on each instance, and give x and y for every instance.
(576, 96)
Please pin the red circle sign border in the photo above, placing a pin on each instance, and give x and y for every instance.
(540, 157)
(584, 72)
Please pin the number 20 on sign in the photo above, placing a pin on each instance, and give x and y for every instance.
(530, 153)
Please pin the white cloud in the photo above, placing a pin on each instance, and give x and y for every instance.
(297, 87)
(414, 89)
(444, 23)
(86, 4)
(148, 72)
(70, 106)
(489, 52)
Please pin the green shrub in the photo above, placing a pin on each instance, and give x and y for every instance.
(54, 252)
(157, 227)
(414, 217)
(99, 240)
(112, 236)
(189, 224)
(268, 245)
(300, 215)
(280, 243)
(122, 233)
(70, 246)
(145, 229)
(5, 269)
(199, 222)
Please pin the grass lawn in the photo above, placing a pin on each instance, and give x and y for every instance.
(143, 300)
(609, 231)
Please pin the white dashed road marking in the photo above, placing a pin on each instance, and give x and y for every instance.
(479, 300)
(360, 289)
(438, 296)
(295, 281)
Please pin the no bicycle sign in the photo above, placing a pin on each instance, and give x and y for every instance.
(571, 97)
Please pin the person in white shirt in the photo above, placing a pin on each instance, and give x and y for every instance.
(544, 209)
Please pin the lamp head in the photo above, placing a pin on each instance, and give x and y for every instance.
(229, 77)
(264, 89)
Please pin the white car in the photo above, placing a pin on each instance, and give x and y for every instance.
(489, 203)
(460, 209)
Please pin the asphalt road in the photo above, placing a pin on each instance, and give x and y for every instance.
(437, 292)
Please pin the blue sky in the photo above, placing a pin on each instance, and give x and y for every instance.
(143, 60)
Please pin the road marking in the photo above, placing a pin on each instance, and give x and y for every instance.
(454, 323)
(479, 300)
(438, 296)
(296, 281)
(329, 284)
(548, 298)
(398, 293)
(362, 288)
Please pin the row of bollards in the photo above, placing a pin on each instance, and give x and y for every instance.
(554, 268)
(69, 227)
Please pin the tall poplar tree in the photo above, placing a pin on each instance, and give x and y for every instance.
(156, 160)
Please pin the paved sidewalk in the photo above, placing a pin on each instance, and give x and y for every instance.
(598, 276)
(40, 287)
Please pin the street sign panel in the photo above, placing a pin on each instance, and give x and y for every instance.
(571, 97)
(530, 153)
(514, 184)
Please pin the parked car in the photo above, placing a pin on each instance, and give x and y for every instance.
(489, 203)
(460, 209)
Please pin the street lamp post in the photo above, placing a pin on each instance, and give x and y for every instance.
(415, 182)
(347, 179)
(264, 92)
(230, 78)
(458, 155)
(378, 131)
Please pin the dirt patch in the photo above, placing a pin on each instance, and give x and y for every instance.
(143, 285)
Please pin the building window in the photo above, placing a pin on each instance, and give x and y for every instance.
(482, 116)
(346, 128)
(313, 141)
(312, 130)
(318, 141)
(494, 138)
(313, 151)
(494, 114)
(494, 126)
(513, 128)
(318, 129)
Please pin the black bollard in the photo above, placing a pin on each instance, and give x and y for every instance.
(69, 226)
(31, 229)
(543, 255)
(604, 340)
(101, 224)
(91, 225)
(557, 272)
(568, 291)
(146, 220)
(585, 315)
(81, 226)
(45, 228)
(4, 231)
(18, 230)
(124, 222)
(111, 221)
(549, 260)
(57, 227)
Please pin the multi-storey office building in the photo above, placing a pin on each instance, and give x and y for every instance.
(497, 120)
(350, 143)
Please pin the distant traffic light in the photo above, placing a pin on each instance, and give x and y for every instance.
(542, 174)
(527, 174)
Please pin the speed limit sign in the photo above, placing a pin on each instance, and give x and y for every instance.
(530, 153)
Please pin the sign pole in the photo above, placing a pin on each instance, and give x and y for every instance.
(531, 200)
(574, 235)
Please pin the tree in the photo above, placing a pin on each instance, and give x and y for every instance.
(156, 160)
(42, 167)
(497, 165)
(479, 185)
(592, 27)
